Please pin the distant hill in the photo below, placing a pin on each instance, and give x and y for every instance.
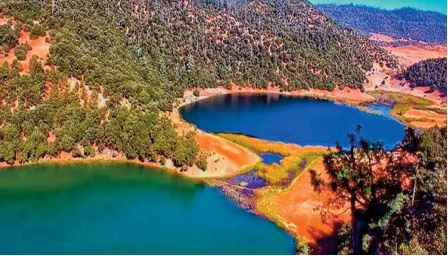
(430, 72)
(401, 23)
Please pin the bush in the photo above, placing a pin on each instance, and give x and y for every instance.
(21, 51)
(89, 151)
(162, 160)
(185, 152)
(101, 147)
(36, 31)
(202, 163)
(76, 153)
(196, 93)
(9, 38)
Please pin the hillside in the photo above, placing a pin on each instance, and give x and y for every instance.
(203, 43)
(406, 23)
(430, 72)
(86, 77)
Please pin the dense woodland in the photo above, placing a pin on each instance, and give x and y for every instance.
(205, 43)
(430, 72)
(405, 23)
(41, 104)
(398, 199)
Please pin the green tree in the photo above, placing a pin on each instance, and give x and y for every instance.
(370, 190)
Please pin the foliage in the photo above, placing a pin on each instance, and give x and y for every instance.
(103, 93)
(185, 152)
(21, 51)
(196, 93)
(89, 151)
(420, 226)
(202, 163)
(288, 43)
(405, 23)
(36, 31)
(9, 37)
(431, 72)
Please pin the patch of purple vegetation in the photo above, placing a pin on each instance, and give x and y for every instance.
(251, 180)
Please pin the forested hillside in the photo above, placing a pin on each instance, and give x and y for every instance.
(205, 43)
(112, 65)
(401, 23)
(92, 95)
(430, 72)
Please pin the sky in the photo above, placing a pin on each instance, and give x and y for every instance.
(427, 5)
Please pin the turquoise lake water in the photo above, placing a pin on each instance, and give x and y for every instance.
(291, 120)
(427, 5)
(124, 209)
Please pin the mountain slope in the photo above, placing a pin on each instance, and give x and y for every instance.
(288, 43)
(405, 23)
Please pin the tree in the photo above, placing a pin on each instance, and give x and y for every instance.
(420, 226)
(202, 163)
(186, 151)
(397, 198)
(370, 179)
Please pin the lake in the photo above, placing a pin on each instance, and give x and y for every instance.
(288, 119)
(124, 209)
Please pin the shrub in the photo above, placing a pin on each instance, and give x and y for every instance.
(21, 51)
(76, 153)
(162, 160)
(36, 31)
(196, 93)
(9, 38)
(202, 163)
(89, 151)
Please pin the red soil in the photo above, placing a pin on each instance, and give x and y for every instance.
(411, 54)
(39, 47)
(381, 38)
(225, 158)
(308, 211)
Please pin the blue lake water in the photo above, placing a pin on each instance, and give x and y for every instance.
(289, 119)
(125, 209)
(271, 158)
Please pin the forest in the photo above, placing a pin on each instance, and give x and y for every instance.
(430, 73)
(43, 114)
(406, 23)
(203, 43)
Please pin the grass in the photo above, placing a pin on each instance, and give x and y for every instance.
(405, 102)
(295, 158)
(260, 146)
